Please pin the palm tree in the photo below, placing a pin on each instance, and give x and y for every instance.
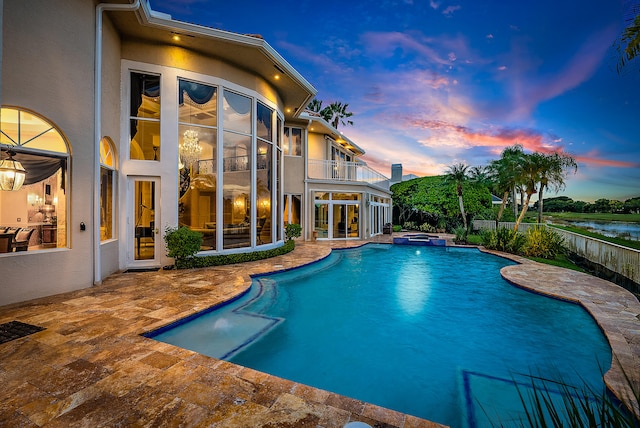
(555, 167)
(530, 174)
(336, 113)
(481, 175)
(458, 174)
(504, 173)
(628, 44)
(315, 105)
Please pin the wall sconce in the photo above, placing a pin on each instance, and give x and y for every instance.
(12, 174)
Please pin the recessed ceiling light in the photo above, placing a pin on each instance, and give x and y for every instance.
(175, 38)
(277, 77)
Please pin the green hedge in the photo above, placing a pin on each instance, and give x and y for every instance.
(228, 259)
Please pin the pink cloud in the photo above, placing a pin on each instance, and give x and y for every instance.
(531, 140)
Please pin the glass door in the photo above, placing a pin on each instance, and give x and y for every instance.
(143, 222)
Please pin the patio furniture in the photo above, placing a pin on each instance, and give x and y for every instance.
(387, 229)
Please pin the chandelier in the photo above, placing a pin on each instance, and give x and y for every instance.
(190, 149)
(12, 174)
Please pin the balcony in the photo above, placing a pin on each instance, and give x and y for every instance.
(341, 171)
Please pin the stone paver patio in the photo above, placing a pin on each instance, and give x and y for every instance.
(91, 366)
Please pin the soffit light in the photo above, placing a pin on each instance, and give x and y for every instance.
(12, 174)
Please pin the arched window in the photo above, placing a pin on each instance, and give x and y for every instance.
(36, 214)
(107, 176)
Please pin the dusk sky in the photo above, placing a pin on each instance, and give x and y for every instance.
(437, 82)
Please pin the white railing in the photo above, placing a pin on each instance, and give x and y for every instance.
(491, 225)
(622, 260)
(345, 171)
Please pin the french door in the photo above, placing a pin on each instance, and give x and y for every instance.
(143, 222)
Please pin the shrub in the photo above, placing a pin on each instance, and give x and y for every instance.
(503, 239)
(227, 259)
(426, 227)
(397, 228)
(182, 243)
(488, 239)
(292, 230)
(461, 235)
(410, 225)
(543, 242)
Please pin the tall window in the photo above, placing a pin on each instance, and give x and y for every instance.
(144, 117)
(292, 209)
(36, 213)
(107, 167)
(264, 174)
(278, 190)
(237, 135)
(197, 141)
(292, 145)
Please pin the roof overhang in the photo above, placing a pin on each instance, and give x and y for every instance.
(249, 52)
(318, 125)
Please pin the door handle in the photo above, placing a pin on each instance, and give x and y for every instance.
(156, 230)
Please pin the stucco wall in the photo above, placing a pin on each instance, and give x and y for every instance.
(110, 124)
(47, 67)
(316, 146)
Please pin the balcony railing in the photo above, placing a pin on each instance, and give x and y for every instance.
(345, 172)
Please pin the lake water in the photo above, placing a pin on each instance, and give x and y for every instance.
(620, 229)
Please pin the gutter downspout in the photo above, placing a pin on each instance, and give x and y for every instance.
(97, 126)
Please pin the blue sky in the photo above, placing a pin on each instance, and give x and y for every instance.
(433, 83)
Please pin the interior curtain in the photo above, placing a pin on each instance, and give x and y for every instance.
(200, 94)
(39, 167)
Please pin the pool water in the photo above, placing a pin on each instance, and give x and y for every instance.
(429, 331)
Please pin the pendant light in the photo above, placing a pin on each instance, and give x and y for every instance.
(12, 174)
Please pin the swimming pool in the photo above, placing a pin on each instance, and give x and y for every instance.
(434, 332)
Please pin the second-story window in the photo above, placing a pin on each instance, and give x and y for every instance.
(144, 117)
(292, 144)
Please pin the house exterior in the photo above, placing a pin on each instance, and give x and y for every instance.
(328, 190)
(128, 122)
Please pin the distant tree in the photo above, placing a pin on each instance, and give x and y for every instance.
(336, 113)
(602, 205)
(627, 45)
(616, 206)
(557, 205)
(581, 206)
(458, 174)
(632, 205)
(554, 168)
